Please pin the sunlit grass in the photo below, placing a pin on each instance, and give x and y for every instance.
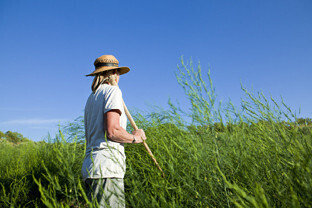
(254, 155)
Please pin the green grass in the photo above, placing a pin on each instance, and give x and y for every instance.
(214, 155)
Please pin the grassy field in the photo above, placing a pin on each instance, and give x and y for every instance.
(214, 155)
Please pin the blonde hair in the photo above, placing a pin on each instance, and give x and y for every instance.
(108, 77)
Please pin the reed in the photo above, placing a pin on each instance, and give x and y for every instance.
(216, 154)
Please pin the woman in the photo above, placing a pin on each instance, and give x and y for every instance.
(105, 122)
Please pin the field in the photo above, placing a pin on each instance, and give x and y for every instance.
(214, 155)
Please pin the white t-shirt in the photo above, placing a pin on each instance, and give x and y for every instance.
(104, 158)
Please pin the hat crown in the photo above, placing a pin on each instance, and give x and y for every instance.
(106, 59)
(108, 62)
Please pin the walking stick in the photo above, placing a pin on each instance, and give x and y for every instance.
(136, 128)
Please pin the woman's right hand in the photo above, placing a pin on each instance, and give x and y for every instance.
(139, 135)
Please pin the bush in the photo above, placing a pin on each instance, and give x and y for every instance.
(212, 156)
(13, 137)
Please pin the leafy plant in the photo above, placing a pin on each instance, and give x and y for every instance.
(215, 154)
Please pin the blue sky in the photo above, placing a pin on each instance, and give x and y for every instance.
(47, 47)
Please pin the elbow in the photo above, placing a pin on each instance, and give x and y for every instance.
(112, 133)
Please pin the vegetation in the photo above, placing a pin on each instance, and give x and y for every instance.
(214, 155)
(12, 137)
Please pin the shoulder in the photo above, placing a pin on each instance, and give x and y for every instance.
(110, 89)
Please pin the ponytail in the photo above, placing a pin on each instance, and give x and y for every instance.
(104, 77)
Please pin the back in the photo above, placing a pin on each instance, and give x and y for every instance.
(105, 98)
(104, 157)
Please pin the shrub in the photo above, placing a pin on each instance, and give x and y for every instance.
(215, 155)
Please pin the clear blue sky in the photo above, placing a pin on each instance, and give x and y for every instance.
(47, 47)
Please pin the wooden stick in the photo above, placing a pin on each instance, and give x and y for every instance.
(144, 143)
(136, 128)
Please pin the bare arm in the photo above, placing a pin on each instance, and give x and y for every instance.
(116, 133)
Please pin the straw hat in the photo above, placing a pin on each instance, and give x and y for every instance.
(107, 62)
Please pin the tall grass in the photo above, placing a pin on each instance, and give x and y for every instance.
(214, 155)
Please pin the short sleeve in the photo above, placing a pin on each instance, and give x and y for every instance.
(113, 100)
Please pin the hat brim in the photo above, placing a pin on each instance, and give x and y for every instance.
(121, 70)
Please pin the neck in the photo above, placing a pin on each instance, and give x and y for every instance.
(113, 83)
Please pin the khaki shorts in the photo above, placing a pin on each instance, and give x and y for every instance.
(108, 192)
